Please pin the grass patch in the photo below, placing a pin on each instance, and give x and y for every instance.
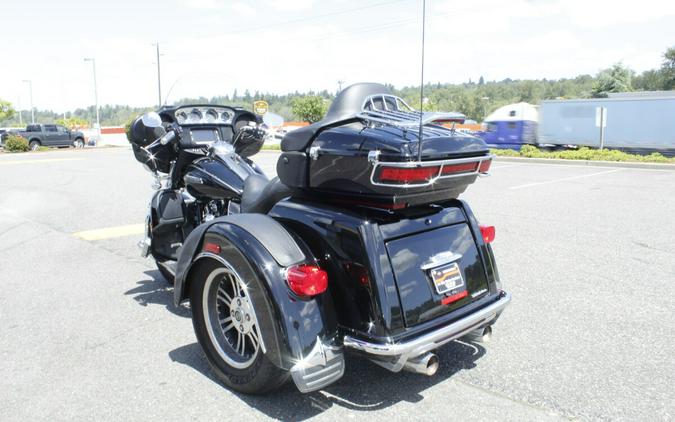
(584, 153)
(271, 147)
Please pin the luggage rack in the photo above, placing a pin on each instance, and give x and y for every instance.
(392, 110)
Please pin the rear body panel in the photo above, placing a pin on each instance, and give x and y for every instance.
(420, 299)
(373, 260)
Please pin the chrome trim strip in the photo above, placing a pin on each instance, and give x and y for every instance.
(440, 175)
(439, 259)
(402, 352)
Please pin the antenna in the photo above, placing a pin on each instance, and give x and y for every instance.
(419, 146)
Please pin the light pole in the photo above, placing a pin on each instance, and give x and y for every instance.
(98, 121)
(159, 77)
(30, 90)
(484, 100)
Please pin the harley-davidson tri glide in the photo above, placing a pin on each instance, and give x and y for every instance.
(359, 246)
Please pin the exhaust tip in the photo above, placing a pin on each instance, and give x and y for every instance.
(426, 364)
(480, 335)
(432, 365)
(487, 334)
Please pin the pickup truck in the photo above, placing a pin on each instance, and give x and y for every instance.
(49, 135)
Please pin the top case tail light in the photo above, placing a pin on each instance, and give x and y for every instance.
(408, 175)
(484, 166)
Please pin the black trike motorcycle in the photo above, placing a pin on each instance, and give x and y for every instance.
(360, 244)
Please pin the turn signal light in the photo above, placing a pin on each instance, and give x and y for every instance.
(307, 280)
(488, 233)
(404, 175)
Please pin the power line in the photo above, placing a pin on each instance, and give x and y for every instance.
(315, 17)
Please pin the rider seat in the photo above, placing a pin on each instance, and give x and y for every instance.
(261, 194)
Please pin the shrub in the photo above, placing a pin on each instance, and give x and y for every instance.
(583, 153)
(16, 143)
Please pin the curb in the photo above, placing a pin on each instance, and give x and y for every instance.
(588, 163)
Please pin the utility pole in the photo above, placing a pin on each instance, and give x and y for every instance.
(20, 116)
(98, 120)
(159, 78)
(30, 90)
(340, 82)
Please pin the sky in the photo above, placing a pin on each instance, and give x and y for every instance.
(212, 47)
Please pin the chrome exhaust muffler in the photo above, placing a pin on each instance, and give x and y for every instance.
(426, 364)
(481, 335)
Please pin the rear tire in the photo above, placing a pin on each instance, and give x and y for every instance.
(79, 143)
(226, 326)
(34, 145)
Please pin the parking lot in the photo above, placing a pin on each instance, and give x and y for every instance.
(89, 331)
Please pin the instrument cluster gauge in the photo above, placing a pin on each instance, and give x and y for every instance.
(226, 117)
(195, 116)
(211, 116)
(181, 117)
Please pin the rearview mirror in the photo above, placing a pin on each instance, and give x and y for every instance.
(151, 120)
(272, 119)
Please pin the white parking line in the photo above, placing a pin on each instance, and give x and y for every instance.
(111, 232)
(528, 185)
(44, 160)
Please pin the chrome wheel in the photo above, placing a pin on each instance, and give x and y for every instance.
(230, 319)
(78, 144)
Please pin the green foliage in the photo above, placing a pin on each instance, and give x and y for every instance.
(16, 143)
(668, 69)
(584, 153)
(6, 110)
(615, 79)
(73, 122)
(310, 108)
(475, 100)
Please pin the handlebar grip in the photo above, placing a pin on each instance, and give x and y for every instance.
(170, 136)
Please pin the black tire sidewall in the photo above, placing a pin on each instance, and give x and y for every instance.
(262, 375)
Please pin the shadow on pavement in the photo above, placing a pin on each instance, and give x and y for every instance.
(364, 386)
(156, 290)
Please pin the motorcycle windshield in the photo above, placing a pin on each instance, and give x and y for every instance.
(202, 87)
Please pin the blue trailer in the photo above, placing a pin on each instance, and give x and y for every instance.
(640, 122)
(511, 126)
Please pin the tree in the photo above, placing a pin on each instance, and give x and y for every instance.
(310, 108)
(481, 81)
(6, 110)
(668, 69)
(615, 79)
(73, 122)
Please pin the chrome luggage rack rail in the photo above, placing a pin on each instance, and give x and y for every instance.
(392, 110)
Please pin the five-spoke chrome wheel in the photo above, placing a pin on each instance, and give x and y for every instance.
(230, 319)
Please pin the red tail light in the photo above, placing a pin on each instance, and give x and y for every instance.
(404, 175)
(459, 168)
(211, 247)
(307, 280)
(488, 233)
(484, 166)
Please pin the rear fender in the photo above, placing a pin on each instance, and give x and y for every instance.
(290, 326)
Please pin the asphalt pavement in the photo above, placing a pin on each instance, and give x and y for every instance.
(88, 330)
